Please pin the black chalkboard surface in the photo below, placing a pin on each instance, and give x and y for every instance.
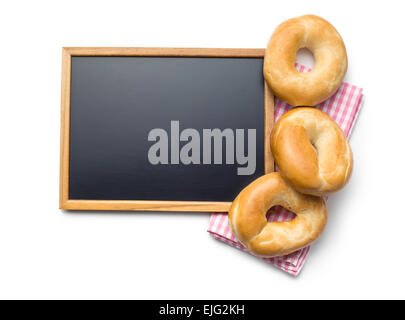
(163, 129)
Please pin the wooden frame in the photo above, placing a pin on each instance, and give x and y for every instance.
(199, 206)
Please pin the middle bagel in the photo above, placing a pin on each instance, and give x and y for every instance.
(311, 151)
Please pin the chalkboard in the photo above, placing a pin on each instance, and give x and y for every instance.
(183, 130)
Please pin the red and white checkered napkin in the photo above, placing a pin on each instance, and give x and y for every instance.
(344, 108)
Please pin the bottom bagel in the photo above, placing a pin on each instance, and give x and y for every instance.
(247, 217)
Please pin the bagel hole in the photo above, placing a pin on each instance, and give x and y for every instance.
(306, 58)
(314, 145)
(273, 214)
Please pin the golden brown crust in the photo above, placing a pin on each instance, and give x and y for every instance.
(322, 39)
(311, 151)
(247, 217)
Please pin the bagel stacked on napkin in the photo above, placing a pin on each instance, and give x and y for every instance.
(312, 153)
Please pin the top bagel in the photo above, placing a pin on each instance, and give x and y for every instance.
(322, 39)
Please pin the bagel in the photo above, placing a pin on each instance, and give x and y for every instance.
(322, 39)
(247, 217)
(311, 151)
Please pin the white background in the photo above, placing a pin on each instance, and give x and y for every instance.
(46, 253)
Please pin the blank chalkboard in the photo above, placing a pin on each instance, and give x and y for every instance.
(162, 129)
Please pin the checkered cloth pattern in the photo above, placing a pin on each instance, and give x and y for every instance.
(343, 107)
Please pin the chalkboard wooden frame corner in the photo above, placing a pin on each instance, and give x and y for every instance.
(138, 205)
